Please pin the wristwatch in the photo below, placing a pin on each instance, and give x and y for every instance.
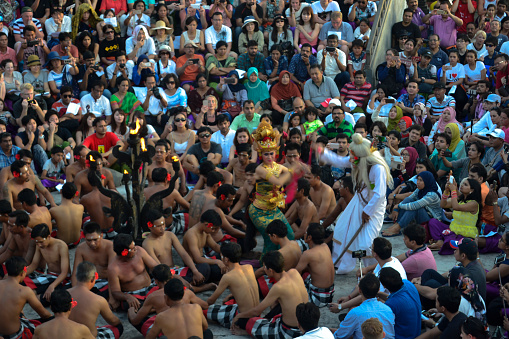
(422, 79)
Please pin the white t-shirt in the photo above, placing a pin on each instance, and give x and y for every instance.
(170, 68)
(51, 27)
(297, 14)
(331, 7)
(394, 263)
(154, 105)
(129, 65)
(97, 107)
(474, 75)
(456, 73)
(148, 48)
(480, 54)
(212, 37)
(318, 333)
(331, 66)
(358, 35)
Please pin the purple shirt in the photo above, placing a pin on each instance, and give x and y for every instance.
(446, 30)
(417, 19)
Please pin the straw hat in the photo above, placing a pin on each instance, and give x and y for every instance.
(160, 25)
(33, 60)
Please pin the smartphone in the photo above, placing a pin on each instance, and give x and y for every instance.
(205, 102)
(330, 49)
(390, 101)
(382, 139)
(397, 159)
(194, 61)
(334, 145)
(137, 11)
(447, 154)
(67, 61)
(417, 59)
(506, 148)
(229, 80)
(440, 12)
(451, 179)
(147, 64)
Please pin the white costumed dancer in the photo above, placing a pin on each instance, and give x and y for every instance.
(370, 175)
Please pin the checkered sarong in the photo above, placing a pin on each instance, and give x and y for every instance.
(265, 284)
(222, 314)
(302, 244)
(26, 330)
(261, 328)
(40, 282)
(108, 332)
(147, 325)
(180, 223)
(143, 293)
(321, 297)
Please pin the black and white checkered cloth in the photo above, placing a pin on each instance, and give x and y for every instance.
(180, 223)
(26, 329)
(222, 314)
(40, 282)
(302, 244)
(321, 297)
(261, 328)
(108, 332)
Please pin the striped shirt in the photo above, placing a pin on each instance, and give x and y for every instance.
(437, 108)
(18, 26)
(359, 95)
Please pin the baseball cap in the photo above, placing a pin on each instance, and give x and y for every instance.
(427, 53)
(465, 245)
(438, 84)
(26, 9)
(497, 133)
(493, 98)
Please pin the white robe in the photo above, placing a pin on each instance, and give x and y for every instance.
(351, 219)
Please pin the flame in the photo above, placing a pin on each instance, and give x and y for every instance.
(137, 129)
(174, 158)
(125, 172)
(91, 159)
(142, 143)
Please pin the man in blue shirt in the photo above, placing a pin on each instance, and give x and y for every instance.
(8, 151)
(299, 66)
(404, 302)
(252, 58)
(370, 308)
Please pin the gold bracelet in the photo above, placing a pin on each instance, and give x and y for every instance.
(268, 175)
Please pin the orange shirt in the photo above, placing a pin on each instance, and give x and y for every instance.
(191, 71)
(487, 211)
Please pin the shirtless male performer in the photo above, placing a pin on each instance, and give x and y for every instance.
(199, 236)
(56, 255)
(14, 297)
(238, 165)
(155, 301)
(321, 194)
(99, 252)
(200, 197)
(242, 284)
(128, 279)
(68, 216)
(302, 209)
(38, 214)
(318, 263)
(90, 305)
(18, 242)
(159, 244)
(93, 202)
(95, 161)
(161, 180)
(79, 164)
(61, 326)
(5, 210)
(181, 320)
(159, 161)
(289, 291)
(21, 180)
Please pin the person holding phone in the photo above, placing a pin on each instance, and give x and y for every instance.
(189, 65)
(445, 24)
(136, 16)
(140, 43)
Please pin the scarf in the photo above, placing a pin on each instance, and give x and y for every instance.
(410, 165)
(239, 86)
(281, 92)
(420, 120)
(408, 123)
(442, 124)
(256, 91)
(455, 138)
(76, 19)
(393, 123)
(461, 280)
(430, 184)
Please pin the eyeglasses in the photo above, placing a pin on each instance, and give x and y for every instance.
(66, 96)
(109, 32)
(180, 120)
(403, 38)
(171, 82)
(490, 45)
(206, 135)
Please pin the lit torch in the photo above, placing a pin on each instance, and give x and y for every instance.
(142, 144)
(137, 129)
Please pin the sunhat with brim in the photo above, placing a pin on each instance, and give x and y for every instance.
(165, 48)
(248, 20)
(160, 25)
(33, 60)
(54, 56)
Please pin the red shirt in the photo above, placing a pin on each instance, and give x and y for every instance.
(502, 75)
(61, 109)
(465, 15)
(101, 145)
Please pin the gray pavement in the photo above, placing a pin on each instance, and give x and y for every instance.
(344, 284)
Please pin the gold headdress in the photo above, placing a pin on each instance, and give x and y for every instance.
(266, 137)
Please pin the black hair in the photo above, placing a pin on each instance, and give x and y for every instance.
(342, 136)
(154, 214)
(278, 228)
(415, 232)
(56, 149)
(480, 148)
(220, 44)
(382, 247)
(225, 190)
(444, 135)
(15, 266)
(322, 139)
(17, 165)
(369, 286)
(61, 301)
(418, 128)
(97, 120)
(477, 197)
(381, 126)
(69, 190)
(207, 167)
(347, 183)
(159, 174)
(361, 125)
(316, 232)
(480, 170)
(232, 251)
(91, 227)
(174, 288)
(211, 216)
(251, 168)
(245, 147)
(303, 184)
(25, 153)
(5, 207)
(50, 113)
(274, 260)
(64, 35)
(222, 118)
(252, 43)
(22, 217)
(390, 279)
(27, 196)
(40, 230)
(213, 178)
(292, 146)
(426, 162)
(162, 273)
(308, 316)
(204, 128)
(474, 327)
(122, 242)
(316, 170)
(449, 297)
(26, 119)
(164, 143)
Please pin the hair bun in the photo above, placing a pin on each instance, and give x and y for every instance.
(357, 138)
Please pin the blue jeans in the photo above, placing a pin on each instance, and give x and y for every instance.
(406, 216)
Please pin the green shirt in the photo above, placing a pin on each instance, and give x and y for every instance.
(241, 121)
(330, 131)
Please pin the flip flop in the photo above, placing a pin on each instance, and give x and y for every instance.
(391, 235)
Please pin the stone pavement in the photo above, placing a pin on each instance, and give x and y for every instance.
(344, 284)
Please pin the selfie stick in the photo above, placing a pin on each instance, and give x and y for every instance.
(348, 245)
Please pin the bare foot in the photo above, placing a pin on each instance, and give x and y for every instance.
(393, 230)
(436, 246)
(204, 287)
(238, 331)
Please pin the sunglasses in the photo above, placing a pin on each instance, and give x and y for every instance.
(65, 96)
(180, 120)
(109, 32)
(278, 21)
(490, 45)
(171, 82)
(163, 53)
(206, 135)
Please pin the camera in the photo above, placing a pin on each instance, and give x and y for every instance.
(121, 66)
(155, 92)
(194, 61)
(390, 101)
(330, 49)
(359, 254)
(447, 154)
(32, 43)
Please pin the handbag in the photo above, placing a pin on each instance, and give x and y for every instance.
(265, 104)
(286, 104)
(73, 84)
